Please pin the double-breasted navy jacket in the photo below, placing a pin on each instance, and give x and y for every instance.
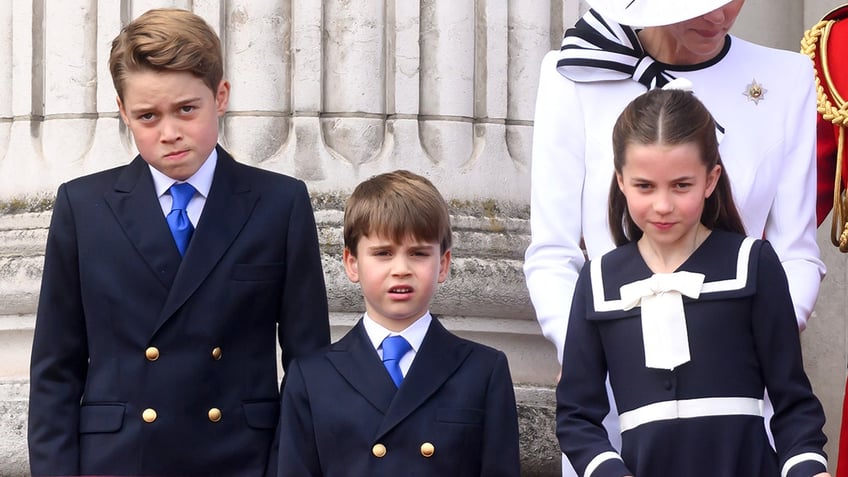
(453, 415)
(144, 363)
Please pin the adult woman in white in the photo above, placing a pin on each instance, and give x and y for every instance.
(762, 99)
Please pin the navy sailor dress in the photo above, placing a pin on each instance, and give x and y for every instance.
(701, 415)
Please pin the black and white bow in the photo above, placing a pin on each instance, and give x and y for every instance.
(597, 49)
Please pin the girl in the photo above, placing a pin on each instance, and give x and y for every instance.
(691, 320)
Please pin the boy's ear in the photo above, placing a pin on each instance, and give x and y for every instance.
(121, 109)
(351, 265)
(222, 97)
(444, 266)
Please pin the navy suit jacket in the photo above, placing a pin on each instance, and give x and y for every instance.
(457, 397)
(128, 332)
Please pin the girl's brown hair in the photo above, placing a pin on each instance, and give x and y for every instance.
(669, 117)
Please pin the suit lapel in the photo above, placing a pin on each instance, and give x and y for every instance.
(227, 209)
(355, 358)
(440, 355)
(134, 203)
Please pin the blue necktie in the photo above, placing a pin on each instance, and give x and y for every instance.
(394, 348)
(177, 218)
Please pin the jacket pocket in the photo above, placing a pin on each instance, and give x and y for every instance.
(259, 272)
(101, 418)
(460, 416)
(262, 414)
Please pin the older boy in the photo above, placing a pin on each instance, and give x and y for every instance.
(165, 281)
(437, 404)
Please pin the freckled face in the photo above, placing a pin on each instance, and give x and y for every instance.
(665, 187)
(398, 280)
(173, 117)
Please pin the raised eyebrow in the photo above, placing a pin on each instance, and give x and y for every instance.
(145, 109)
(188, 101)
(141, 110)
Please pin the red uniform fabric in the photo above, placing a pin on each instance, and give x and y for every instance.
(831, 62)
(828, 133)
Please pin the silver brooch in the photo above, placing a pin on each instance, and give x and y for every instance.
(755, 91)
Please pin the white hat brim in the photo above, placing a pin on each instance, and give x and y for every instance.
(647, 13)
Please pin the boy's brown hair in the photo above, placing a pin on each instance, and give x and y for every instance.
(397, 205)
(167, 39)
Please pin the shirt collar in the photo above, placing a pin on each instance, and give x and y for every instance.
(200, 180)
(413, 333)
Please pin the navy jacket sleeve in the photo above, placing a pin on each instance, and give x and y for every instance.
(798, 415)
(582, 401)
(303, 326)
(303, 320)
(59, 353)
(298, 451)
(500, 453)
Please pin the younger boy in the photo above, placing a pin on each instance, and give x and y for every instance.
(166, 280)
(442, 406)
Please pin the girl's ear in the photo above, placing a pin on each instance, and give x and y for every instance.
(620, 180)
(712, 180)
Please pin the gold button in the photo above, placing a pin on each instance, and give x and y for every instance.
(379, 450)
(149, 415)
(216, 353)
(152, 353)
(214, 414)
(427, 449)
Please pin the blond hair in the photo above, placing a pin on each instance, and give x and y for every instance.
(397, 205)
(167, 39)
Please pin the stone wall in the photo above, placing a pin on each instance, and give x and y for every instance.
(333, 92)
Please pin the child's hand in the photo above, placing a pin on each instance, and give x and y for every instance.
(823, 474)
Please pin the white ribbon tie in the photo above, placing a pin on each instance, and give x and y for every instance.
(664, 330)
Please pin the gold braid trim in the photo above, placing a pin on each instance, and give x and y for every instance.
(840, 200)
(816, 39)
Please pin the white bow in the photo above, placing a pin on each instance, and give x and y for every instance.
(663, 320)
(681, 84)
